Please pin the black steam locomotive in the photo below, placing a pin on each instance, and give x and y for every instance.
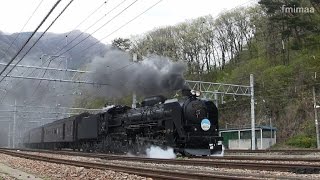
(189, 126)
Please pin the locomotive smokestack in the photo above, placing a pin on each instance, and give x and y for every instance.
(151, 76)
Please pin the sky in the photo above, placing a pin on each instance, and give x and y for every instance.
(14, 15)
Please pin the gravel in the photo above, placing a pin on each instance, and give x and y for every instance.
(264, 161)
(59, 171)
(315, 155)
(198, 169)
(4, 176)
(202, 169)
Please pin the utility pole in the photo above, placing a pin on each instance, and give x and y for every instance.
(315, 112)
(9, 135)
(14, 124)
(253, 131)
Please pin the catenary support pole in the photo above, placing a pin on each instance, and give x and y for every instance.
(14, 125)
(253, 132)
(9, 135)
(316, 112)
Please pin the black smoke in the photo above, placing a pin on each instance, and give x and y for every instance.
(153, 75)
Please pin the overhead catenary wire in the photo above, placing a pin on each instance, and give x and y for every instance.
(93, 12)
(104, 3)
(41, 35)
(94, 32)
(121, 27)
(125, 24)
(37, 39)
(16, 37)
(138, 16)
(34, 92)
(128, 65)
(21, 74)
(33, 33)
(58, 80)
(18, 34)
(118, 14)
(2, 100)
(93, 44)
(91, 26)
(100, 26)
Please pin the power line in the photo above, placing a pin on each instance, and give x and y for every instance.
(118, 29)
(40, 80)
(81, 24)
(97, 29)
(34, 32)
(34, 92)
(66, 35)
(104, 3)
(91, 26)
(121, 28)
(36, 67)
(38, 38)
(57, 80)
(46, 68)
(128, 65)
(123, 25)
(18, 34)
(36, 41)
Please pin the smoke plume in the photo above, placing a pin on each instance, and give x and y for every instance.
(148, 77)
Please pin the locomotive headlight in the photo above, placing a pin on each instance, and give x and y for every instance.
(195, 93)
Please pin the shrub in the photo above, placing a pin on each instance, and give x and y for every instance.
(302, 141)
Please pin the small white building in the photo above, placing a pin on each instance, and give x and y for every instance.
(241, 138)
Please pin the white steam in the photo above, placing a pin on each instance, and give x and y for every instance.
(219, 154)
(159, 153)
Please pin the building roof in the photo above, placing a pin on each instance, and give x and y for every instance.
(249, 128)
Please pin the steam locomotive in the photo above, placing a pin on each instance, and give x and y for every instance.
(189, 126)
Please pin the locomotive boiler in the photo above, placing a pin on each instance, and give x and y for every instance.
(189, 126)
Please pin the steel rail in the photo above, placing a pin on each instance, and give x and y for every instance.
(273, 151)
(259, 158)
(217, 162)
(146, 172)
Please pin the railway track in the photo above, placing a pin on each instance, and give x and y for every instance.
(285, 151)
(257, 158)
(146, 172)
(231, 162)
